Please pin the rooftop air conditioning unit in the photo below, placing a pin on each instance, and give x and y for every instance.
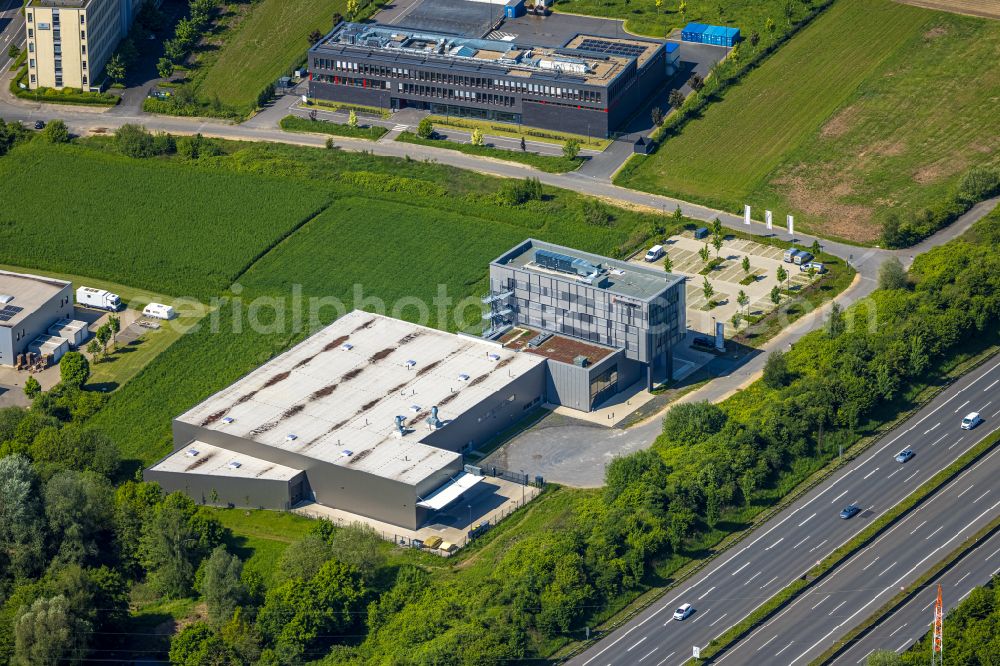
(235, 464)
(410, 364)
(493, 357)
(415, 409)
(228, 419)
(291, 437)
(347, 346)
(463, 377)
(347, 453)
(192, 453)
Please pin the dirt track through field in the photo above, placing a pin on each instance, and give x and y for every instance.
(983, 8)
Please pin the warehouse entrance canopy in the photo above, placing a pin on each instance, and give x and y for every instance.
(448, 494)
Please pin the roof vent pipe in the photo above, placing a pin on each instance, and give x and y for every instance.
(399, 424)
(433, 422)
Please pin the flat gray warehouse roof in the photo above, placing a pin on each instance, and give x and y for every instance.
(335, 396)
(202, 458)
(29, 293)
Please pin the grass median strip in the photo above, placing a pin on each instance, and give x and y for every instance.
(830, 562)
(904, 596)
(296, 124)
(549, 163)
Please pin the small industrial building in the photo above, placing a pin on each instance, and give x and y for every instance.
(587, 84)
(29, 306)
(637, 314)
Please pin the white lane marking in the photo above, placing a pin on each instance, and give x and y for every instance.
(956, 442)
(866, 656)
(927, 606)
(706, 593)
(932, 428)
(768, 582)
(818, 545)
(993, 553)
(638, 643)
(768, 641)
(901, 647)
(838, 607)
(989, 387)
(981, 497)
(965, 403)
(967, 593)
(887, 568)
(717, 619)
(801, 542)
(806, 520)
(740, 569)
(911, 476)
(897, 630)
(839, 496)
(783, 649)
(869, 474)
(648, 653)
(700, 615)
(752, 577)
(933, 533)
(775, 543)
(871, 563)
(939, 439)
(824, 599)
(918, 527)
(667, 657)
(967, 574)
(965, 491)
(898, 470)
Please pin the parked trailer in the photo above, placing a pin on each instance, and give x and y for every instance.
(159, 311)
(98, 298)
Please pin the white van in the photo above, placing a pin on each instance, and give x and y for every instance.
(654, 253)
(98, 298)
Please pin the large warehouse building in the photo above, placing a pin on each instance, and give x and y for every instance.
(29, 306)
(589, 85)
(369, 415)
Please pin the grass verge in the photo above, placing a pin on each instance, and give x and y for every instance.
(548, 163)
(519, 131)
(384, 114)
(60, 96)
(904, 596)
(304, 125)
(834, 559)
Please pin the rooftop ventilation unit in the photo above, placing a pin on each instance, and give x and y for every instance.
(236, 464)
(433, 422)
(5, 299)
(538, 340)
(410, 364)
(346, 453)
(463, 377)
(415, 409)
(566, 264)
(291, 437)
(228, 419)
(400, 420)
(493, 357)
(192, 453)
(347, 346)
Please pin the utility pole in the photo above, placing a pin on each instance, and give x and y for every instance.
(937, 644)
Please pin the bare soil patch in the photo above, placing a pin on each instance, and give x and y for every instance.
(840, 123)
(982, 8)
(823, 200)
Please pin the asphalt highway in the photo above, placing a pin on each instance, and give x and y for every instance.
(11, 30)
(912, 621)
(857, 588)
(790, 543)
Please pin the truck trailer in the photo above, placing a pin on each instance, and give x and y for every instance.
(98, 298)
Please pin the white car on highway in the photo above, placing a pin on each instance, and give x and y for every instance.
(683, 612)
(971, 421)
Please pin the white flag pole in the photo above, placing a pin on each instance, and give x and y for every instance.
(791, 227)
(746, 215)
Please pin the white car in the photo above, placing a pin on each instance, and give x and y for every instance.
(654, 253)
(683, 612)
(971, 421)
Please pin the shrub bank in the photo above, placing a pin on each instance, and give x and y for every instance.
(548, 163)
(304, 125)
(59, 96)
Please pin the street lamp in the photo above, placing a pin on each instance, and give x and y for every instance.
(470, 515)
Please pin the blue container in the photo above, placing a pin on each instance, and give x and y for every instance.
(713, 35)
(513, 9)
(732, 36)
(692, 32)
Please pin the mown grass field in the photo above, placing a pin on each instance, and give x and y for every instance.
(169, 228)
(874, 105)
(644, 18)
(266, 43)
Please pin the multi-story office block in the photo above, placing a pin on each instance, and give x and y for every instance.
(589, 86)
(636, 313)
(69, 41)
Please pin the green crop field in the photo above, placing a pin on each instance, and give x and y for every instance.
(646, 19)
(874, 105)
(273, 38)
(178, 230)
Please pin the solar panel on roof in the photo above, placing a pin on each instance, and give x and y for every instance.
(612, 48)
(4, 317)
(11, 309)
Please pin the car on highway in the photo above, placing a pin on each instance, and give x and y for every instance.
(904, 455)
(683, 612)
(971, 421)
(39, 124)
(850, 511)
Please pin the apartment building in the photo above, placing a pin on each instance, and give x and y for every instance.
(69, 41)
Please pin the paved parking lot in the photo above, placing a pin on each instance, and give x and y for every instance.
(725, 278)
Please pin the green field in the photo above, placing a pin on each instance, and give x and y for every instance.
(645, 19)
(875, 105)
(273, 38)
(169, 228)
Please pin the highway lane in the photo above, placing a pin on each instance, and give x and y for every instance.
(912, 621)
(790, 543)
(11, 30)
(842, 600)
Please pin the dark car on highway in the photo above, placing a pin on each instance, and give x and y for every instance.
(849, 512)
